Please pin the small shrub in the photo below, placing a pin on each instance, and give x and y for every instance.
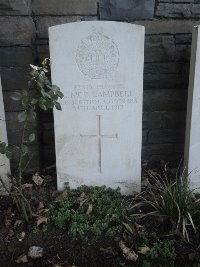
(172, 202)
(38, 94)
(94, 210)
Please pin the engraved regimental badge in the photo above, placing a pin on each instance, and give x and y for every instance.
(97, 56)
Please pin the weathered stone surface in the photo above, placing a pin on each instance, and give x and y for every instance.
(14, 128)
(183, 53)
(179, 148)
(42, 52)
(43, 23)
(13, 78)
(63, 7)
(152, 120)
(16, 30)
(165, 81)
(179, 1)
(183, 38)
(15, 7)
(145, 133)
(99, 68)
(173, 120)
(34, 164)
(168, 26)
(9, 104)
(163, 136)
(47, 156)
(174, 158)
(15, 56)
(158, 68)
(159, 48)
(126, 9)
(168, 100)
(166, 75)
(192, 140)
(164, 120)
(159, 149)
(14, 136)
(48, 133)
(4, 162)
(167, 152)
(171, 10)
(13, 123)
(160, 75)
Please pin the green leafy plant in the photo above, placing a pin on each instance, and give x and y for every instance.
(162, 251)
(39, 94)
(171, 201)
(95, 210)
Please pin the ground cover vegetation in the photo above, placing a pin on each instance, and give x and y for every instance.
(98, 226)
(92, 226)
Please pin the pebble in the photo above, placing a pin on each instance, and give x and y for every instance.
(35, 252)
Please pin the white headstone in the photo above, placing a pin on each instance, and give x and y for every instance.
(192, 136)
(4, 162)
(98, 133)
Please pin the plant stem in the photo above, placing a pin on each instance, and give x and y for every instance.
(21, 155)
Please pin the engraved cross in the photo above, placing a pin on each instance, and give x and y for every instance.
(99, 135)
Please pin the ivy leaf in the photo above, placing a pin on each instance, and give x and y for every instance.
(8, 154)
(49, 103)
(35, 67)
(60, 94)
(42, 106)
(56, 89)
(16, 96)
(24, 92)
(24, 149)
(58, 106)
(10, 149)
(31, 116)
(2, 148)
(22, 116)
(32, 137)
(34, 101)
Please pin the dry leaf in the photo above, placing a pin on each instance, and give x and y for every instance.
(143, 250)
(138, 226)
(40, 207)
(81, 198)
(37, 179)
(24, 186)
(127, 252)
(89, 210)
(56, 193)
(21, 236)
(17, 223)
(43, 210)
(49, 178)
(41, 220)
(22, 259)
(64, 194)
